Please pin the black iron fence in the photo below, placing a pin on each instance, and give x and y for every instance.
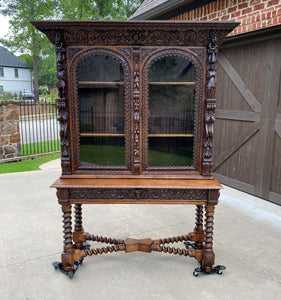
(39, 128)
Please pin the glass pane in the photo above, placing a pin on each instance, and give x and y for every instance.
(171, 109)
(101, 111)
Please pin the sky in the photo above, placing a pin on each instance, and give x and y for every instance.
(4, 25)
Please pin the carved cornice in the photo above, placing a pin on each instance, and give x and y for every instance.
(128, 33)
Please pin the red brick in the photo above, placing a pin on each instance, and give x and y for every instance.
(275, 21)
(272, 2)
(279, 12)
(254, 26)
(259, 7)
(268, 15)
(246, 11)
(242, 5)
(279, 20)
(236, 14)
(258, 17)
(253, 19)
(225, 18)
(212, 16)
(207, 9)
(263, 16)
(232, 9)
(254, 2)
(274, 13)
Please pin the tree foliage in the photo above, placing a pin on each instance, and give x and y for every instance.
(24, 38)
(97, 9)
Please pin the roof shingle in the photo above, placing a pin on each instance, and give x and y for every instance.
(7, 59)
(147, 5)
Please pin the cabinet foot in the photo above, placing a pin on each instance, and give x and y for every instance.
(70, 274)
(215, 270)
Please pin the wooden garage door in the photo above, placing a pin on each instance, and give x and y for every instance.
(248, 127)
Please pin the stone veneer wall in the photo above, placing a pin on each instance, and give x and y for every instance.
(9, 129)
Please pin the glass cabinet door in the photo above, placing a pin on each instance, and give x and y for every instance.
(171, 109)
(101, 111)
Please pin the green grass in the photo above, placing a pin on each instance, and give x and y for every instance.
(107, 155)
(28, 164)
(104, 155)
(41, 147)
(163, 159)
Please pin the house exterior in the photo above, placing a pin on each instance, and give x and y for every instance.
(247, 144)
(14, 73)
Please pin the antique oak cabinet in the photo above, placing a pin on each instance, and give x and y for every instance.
(136, 110)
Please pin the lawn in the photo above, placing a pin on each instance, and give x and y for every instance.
(28, 164)
(107, 155)
(40, 147)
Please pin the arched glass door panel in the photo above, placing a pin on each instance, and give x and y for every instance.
(101, 111)
(171, 108)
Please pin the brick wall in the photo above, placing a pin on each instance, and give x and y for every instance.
(252, 14)
(9, 129)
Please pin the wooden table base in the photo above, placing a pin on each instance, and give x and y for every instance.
(198, 244)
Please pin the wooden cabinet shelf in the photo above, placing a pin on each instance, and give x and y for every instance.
(171, 83)
(149, 135)
(102, 134)
(170, 135)
(100, 82)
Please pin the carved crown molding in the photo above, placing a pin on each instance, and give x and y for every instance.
(142, 33)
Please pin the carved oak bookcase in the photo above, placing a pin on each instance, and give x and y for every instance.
(136, 110)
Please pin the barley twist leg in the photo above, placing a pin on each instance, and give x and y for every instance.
(78, 229)
(199, 227)
(67, 255)
(208, 257)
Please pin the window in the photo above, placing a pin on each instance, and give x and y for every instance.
(1, 88)
(1, 72)
(16, 73)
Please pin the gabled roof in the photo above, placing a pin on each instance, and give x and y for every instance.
(165, 9)
(7, 59)
(150, 8)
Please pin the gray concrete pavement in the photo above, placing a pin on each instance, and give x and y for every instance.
(246, 240)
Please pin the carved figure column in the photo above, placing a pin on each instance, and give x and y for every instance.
(210, 105)
(62, 103)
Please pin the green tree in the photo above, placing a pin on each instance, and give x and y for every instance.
(26, 39)
(97, 9)
(23, 36)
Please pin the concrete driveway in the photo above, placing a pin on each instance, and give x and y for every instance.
(247, 240)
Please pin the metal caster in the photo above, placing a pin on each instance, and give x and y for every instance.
(215, 270)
